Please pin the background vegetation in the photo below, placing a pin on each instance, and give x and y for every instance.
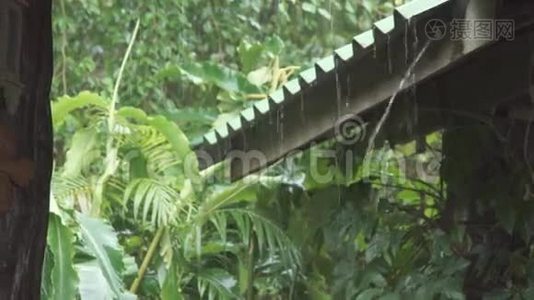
(137, 83)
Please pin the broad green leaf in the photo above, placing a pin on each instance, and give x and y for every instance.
(82, 145)
(65, 105)
(173, 134)
(171, 289)
(192, 115)
(409, 197)
(223, 77)
(274, 45)
(101, 240)
(249, 55)
(46, 275)
(132, 112)
(61, 245)
(93, 284)
(223, 196)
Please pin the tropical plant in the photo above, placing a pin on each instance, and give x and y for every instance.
(157, 188)
(133, 216)
(123, 160)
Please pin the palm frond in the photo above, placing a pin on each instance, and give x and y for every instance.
(152, 197)
(270, 237)
(70, 192)
(153, 146)
(216, 284)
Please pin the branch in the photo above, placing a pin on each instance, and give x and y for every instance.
(146, 260)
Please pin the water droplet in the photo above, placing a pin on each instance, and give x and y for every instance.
(338, 92)
(244, 137)
(278, 120)
(388, 49)
(282, 125)
(348, 91)
(302, 114)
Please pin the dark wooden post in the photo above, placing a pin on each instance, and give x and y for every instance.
(25, 144)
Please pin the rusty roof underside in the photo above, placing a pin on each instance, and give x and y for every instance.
(361, 77)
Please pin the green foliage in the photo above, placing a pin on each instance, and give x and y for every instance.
(60, 240)
(102, 243)
(132, 215)
(156, 184)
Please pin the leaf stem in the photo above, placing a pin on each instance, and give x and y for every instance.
(111, 150)
(147, 259)
(115, 97)
(250, 266)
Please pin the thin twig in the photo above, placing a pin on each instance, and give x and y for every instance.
(63, 50)
(402, 83)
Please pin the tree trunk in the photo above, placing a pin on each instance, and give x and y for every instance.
(25, 199)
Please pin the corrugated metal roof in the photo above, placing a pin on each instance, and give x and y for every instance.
(360, 43)
(364, 73)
